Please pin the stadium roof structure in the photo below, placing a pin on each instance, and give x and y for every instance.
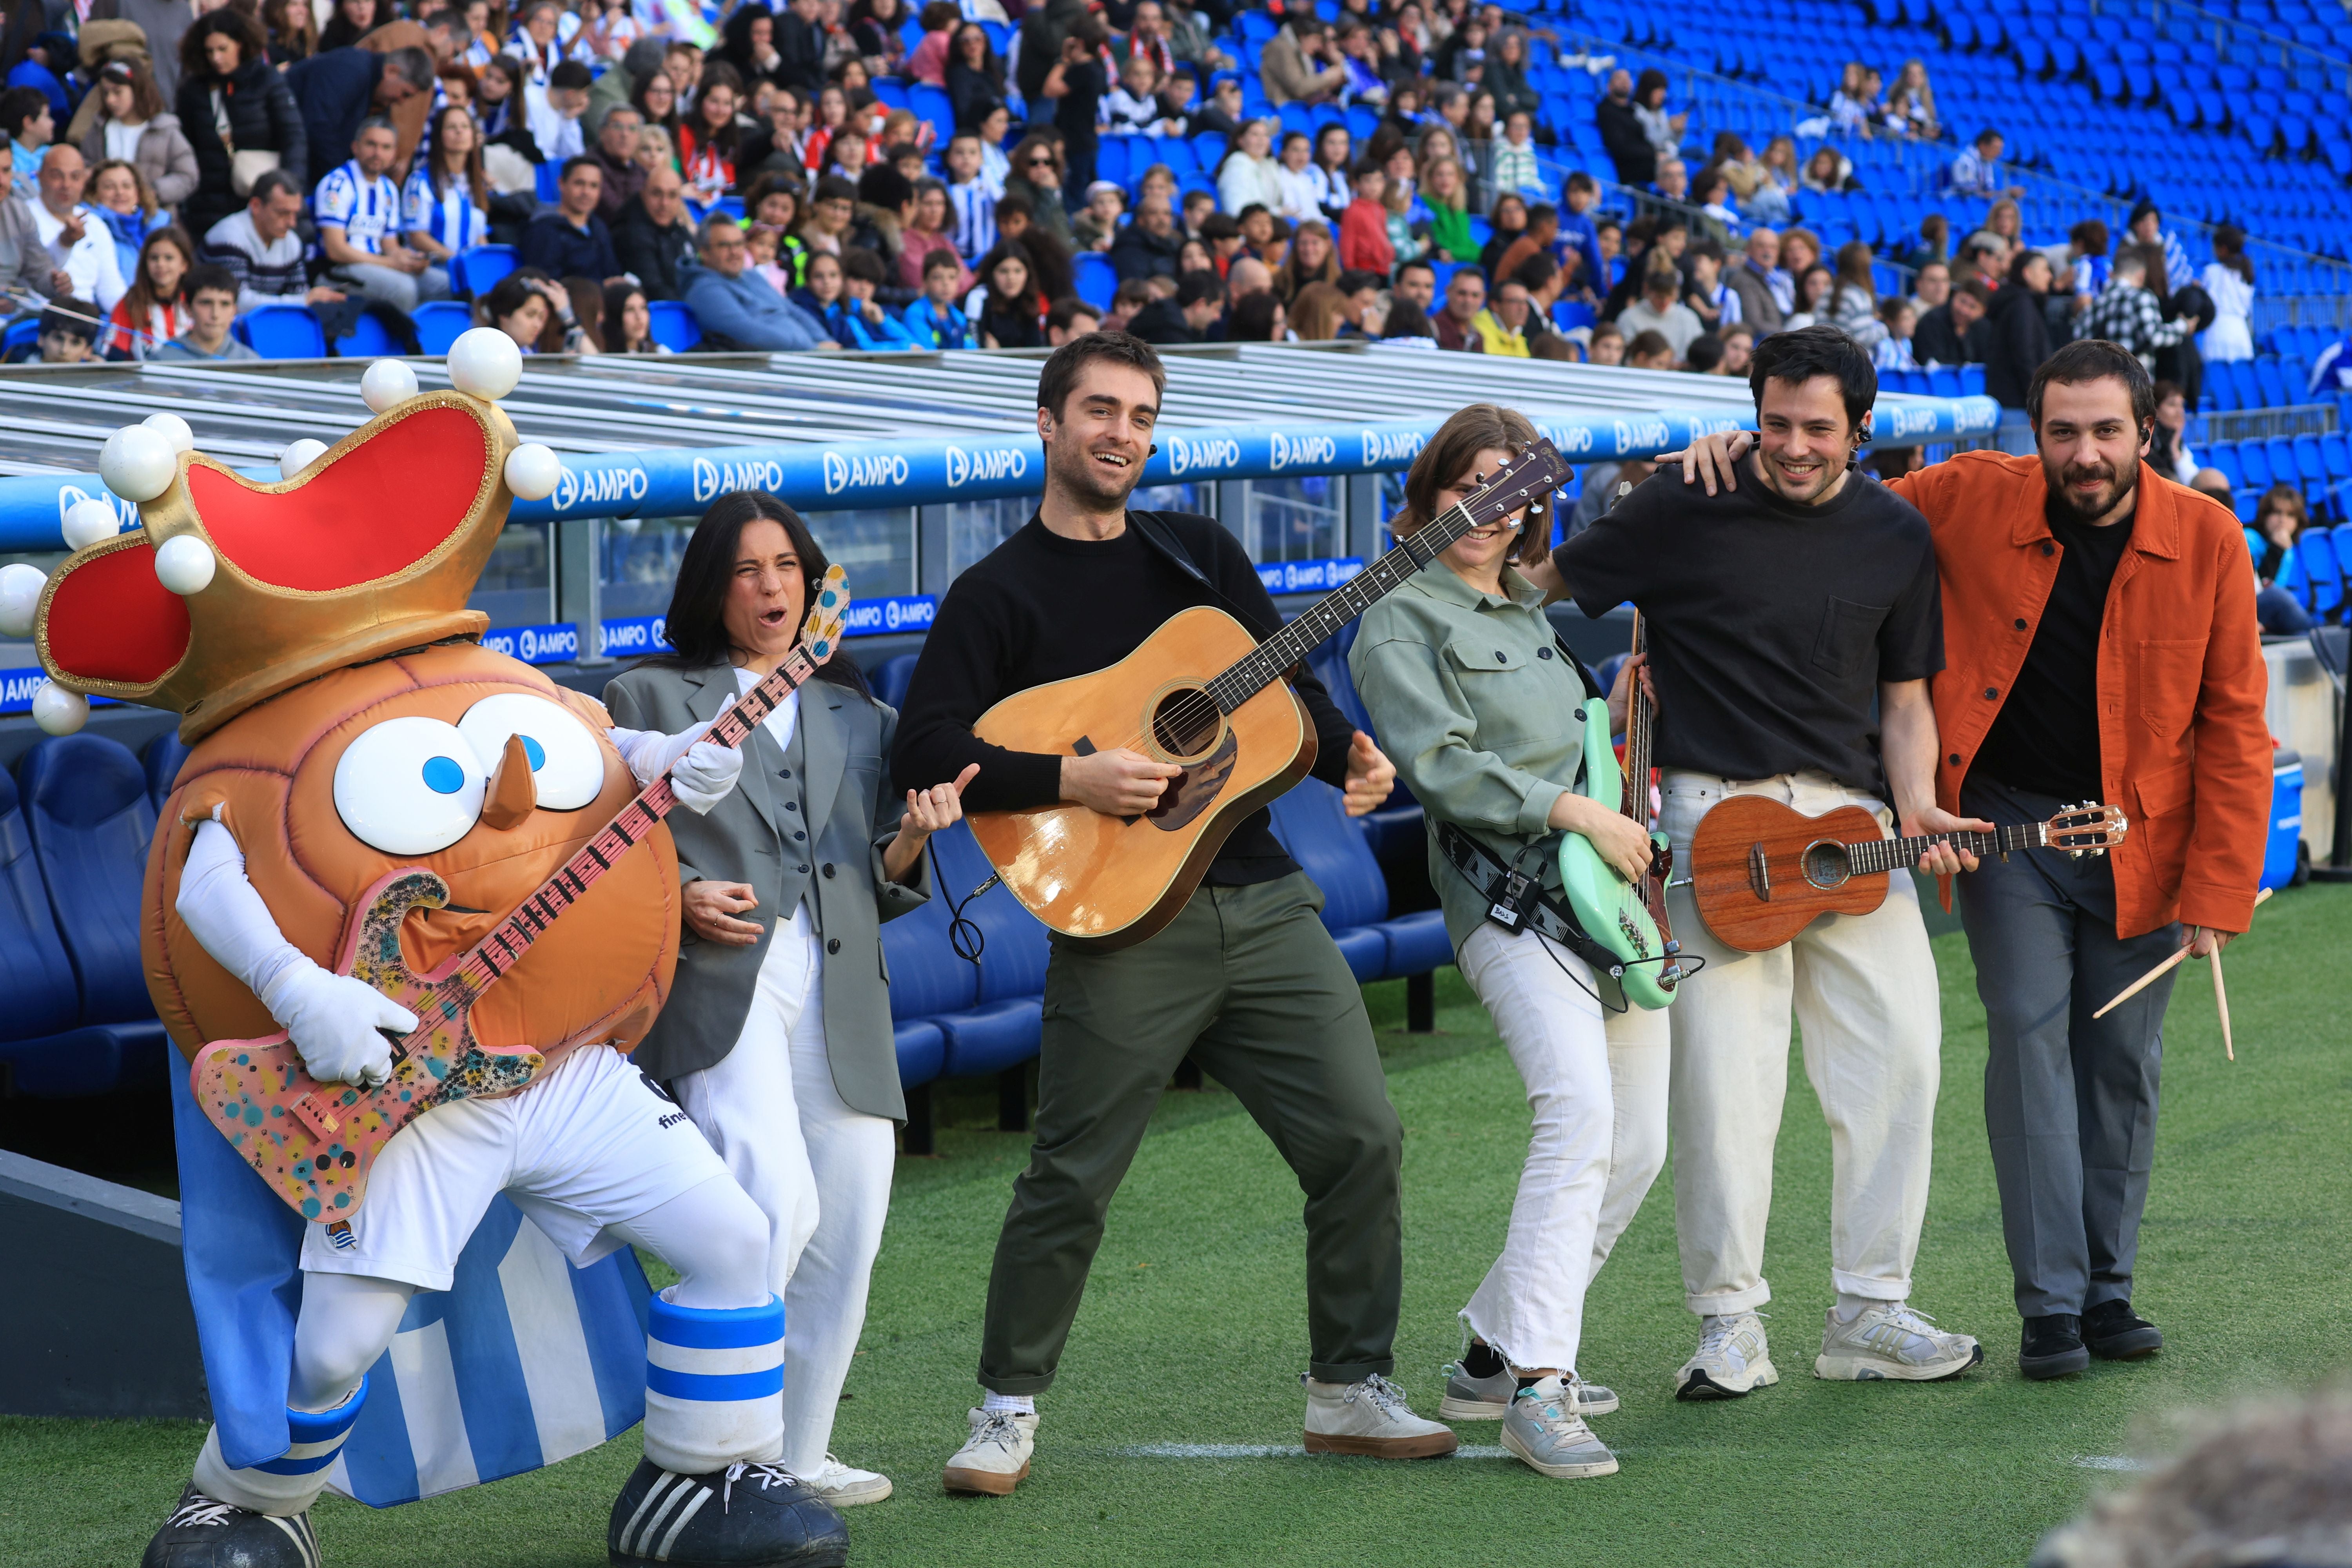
(652, 437)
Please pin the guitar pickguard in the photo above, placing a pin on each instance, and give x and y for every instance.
(1196, 790)
(315, 1143)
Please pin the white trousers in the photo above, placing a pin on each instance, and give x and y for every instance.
(1598, 1092)
(818, 1169)
(1862, 988)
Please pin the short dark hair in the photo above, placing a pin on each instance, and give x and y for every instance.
(1704, 353)
(375, 123)
(271, 182)
(1975, 289)
(581, 162)
(570, 74)
(1060, 376)
(1581, 180)
(2095, 358)
(208, 275)
(1221, 225)
(19, 106)
(415, 67)
(1535, 272)
(862, 264)
(1648, 340)
(1065, 312)
(834, 188)
(1808, 352)
(1419, 264)
(886, 188)
(1356, 282)
(1987, 134)
(75, 318)
(1195, 287)
(942, 261)
(1542, 212)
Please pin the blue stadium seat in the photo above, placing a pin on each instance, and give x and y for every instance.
(890, 679)
(1001, 1029)
(162, 760)
(477, 272)
(1313, 826)
(921, 1050)
(439, 324)
(43, 998)
(2224, 455)
(2255, 459)
(368, 339)
(23, 336)
(549, 177)
(2322, 574)
(933, 104)
(673, 325)
(282, 331)
(1096, 282)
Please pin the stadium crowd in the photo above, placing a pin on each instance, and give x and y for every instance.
(847, 176)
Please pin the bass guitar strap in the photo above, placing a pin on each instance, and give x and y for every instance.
(1484, 870)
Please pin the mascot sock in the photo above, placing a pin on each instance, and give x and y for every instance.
(290, 1483)
(714, 1385)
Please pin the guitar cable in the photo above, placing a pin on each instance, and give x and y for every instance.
(965, 934)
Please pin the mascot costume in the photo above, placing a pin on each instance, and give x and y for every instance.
(407, 908)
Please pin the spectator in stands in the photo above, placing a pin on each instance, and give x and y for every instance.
(1977, 171)
(443, 207)
(1759, 284)
(629, 324)
(1511, 161)
(1097, 223)
(615, 152)
(1313, 258)
(1854, 306)
(260, 250)
(933, 321)
(1738, 349)
(1898, 320)
(970, 198)
(134, 125)
(162, 22)
(1328, 172)
(2147, 228)
(1985, 257)
(1622, 133)
(2021, 329)
(1913, 102)
(1008, 314)
(154, 309)
(1934, 244)
(2088, 264)
(2281, 519)
(1037, 176)
(1077, 86)
(1710, 299)
(1606, 345)
(68, 333)
(339, 90)
(1503, 324)
(1199, 302)
(2168, 448)
(655, 242)
(573, 241)
(1248, 173)
(1259, 319)
(1248, 276)
(1299, 66)
(530, 308)
(358, 211)
(1852, 106)
(1150, 246)
(2128, 314)
(31, 125)
(348, 21)
(710, 136)
(1317, 314)
(1456, 326)
(1071, 317)
(212, 293)
(1801, 252)
(120, 198)
(1816, 298)
(223, 56)
(839, 293)
(552, 110)
(1931, 286)
(1660, 309)
(2331, 373)
(78, 244)
(925, 236)
(1364, 232)
(1828, 173)
(1705, 355)
(1957, 332)
(2229, 279)
(1416, 281)
(927, 63)
(735, 308)
(1649, 351)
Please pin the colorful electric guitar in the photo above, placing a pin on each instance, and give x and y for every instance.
(1629, 919)
(314, 1143)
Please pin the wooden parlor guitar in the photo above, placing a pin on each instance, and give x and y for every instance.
(1761, 871)
(315, 1142)
(1203, 694)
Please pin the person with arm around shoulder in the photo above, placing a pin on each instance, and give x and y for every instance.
(1485, 711)
(776, 1038)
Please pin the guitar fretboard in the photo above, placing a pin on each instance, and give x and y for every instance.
(1635, 802)
(1531, 478)
(504, 947)
(1887, 854)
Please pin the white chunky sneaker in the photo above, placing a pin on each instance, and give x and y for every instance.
(1371, 1418)
(995, 1457)
(1731, 1359)
(845, 1487)
(1888, 1339)
(1544, 1430)
(1469, 1397)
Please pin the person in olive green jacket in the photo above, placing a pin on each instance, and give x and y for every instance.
(1479, 703)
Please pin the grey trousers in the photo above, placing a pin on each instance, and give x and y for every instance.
(2070, 1103)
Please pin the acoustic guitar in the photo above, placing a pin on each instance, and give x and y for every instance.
(1203, 694)
(1629, 919)
(1762, 871)
(314, 1144)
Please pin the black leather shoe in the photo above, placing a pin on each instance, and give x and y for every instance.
(2053, 1347)
(2114, 1333)
(205, 1532)
(745, 1515)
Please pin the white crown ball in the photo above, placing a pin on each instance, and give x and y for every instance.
(184, 565)
(533, 471)
(387, 385)
(137, 463)
(88, 521)
(299, 456)
(484, 363)
(172, 429)
(20, 595)
(58, 712)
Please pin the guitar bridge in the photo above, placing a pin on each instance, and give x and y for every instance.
(1760, 878)
(322, 1122)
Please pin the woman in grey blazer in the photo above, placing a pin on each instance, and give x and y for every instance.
(776, 1038)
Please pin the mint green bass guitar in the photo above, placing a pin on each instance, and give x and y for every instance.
(1629, 919)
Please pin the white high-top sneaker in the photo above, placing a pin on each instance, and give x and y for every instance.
(1888, 1339)
(1731, 1359)
(1371, 1418)
(844, 1485)
(995, 1457)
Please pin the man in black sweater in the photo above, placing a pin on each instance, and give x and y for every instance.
(1245, 979)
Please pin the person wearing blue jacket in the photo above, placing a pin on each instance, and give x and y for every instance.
(734, 306)
(854, 323)
(933, 321)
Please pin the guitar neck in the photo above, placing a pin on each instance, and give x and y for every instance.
(1307, 631)
(1635, 803)
(1888, 854)
(504, 947)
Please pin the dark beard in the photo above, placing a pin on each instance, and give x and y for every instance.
(1082, 482)
(2127, 482)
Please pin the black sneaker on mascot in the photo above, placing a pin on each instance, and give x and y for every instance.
(745, 1515)
(205, 1532)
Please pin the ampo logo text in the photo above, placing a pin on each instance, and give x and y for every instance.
(865, 471)
(1218, 452)
(999, 463)
(605, 487)
(1292, 451)
(714, 479)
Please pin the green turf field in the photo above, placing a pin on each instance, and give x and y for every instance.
(1192, 1335)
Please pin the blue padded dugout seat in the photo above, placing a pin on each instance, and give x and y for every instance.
(890, 679)
(43, 998)
(1003, 1026)
(1313, 826)
(923, 1049)
(163, 760)
(439, 324)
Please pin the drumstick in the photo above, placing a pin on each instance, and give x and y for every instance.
(2145, 981)
(2222, 1001)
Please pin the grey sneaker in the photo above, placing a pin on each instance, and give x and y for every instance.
(1545, 1431)
(1370, 1418)
(1731, 1359)
(1889, 1340)
(995, 1457)
(1469, 1398)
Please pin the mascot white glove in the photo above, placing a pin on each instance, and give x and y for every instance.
(701, 773)
(332, 1018)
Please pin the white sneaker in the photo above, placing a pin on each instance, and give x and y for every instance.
(1472, 1398)
(1544, 1430)
(1731, 1359)
(845, 1487)
(995, 1457)
(1370, 1418)
(1889, 1340)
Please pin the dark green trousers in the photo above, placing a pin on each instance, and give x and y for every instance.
(1248, 982)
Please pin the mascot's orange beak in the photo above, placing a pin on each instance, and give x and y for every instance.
(512, 796)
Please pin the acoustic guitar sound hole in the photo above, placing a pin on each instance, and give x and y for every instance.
(1826, 865)
(1185, 722)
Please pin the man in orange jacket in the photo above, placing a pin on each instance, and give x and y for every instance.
(2100, 643)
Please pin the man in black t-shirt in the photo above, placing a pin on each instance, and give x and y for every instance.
(1779, 613)
(1245, 979)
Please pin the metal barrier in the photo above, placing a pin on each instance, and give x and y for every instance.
(2261, 424)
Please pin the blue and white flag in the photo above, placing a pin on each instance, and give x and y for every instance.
(522, 1362)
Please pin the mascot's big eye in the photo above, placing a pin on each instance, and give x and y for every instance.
(567, 769)
(409, 786)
